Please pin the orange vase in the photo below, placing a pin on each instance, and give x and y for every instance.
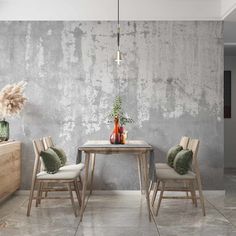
(122, 135)
(115, 136)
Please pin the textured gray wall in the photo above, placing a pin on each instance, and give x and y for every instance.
(171, 81)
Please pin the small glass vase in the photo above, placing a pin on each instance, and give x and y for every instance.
(115, 136)
(4, 130)
(123, 134)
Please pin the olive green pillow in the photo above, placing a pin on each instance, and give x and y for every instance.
(183, 161)
(61, 154)
(51, 161)
(172, 153)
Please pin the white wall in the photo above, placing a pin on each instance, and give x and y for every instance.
(107, 9)
(230, 32)
(230, 124)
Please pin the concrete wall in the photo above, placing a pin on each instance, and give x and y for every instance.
(230, 124)
(171, 82)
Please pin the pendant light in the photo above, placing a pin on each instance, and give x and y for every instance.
(118, 53)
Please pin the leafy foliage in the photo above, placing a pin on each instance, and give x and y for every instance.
(118, 112)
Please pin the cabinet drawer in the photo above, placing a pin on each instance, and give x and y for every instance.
(10, 168)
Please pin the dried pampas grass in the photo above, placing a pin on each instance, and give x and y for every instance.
(12, 99)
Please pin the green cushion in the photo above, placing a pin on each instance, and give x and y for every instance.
(61, 154)
(51, 161)
(183, 161)
(172, 153)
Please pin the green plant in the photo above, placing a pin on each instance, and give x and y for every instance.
(117, 111)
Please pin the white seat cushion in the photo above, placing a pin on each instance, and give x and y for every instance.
(171, 174)
(61, 174)
(162, 166)
(79, 166)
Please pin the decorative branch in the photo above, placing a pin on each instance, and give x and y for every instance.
(119, 113)
(12, 99)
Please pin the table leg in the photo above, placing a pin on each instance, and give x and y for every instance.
(140, 174)
(92, 171)
(146, 181)
(87, 159)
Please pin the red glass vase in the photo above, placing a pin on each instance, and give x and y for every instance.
(115, 136)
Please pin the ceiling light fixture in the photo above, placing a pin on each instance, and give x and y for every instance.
(118, 53)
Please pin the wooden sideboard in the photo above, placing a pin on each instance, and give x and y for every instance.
(10, 168)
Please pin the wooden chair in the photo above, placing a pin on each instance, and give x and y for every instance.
(62, 177)
(192, 178)
(183, 142)
(48, 142)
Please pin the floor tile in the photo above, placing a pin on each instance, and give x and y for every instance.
(115, 231)
(119, 213)
(184, 230)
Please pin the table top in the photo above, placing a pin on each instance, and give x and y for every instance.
(105, 144)
(4, 143)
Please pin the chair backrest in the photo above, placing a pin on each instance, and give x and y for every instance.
(47, 142)
(184, 142)
(38, 147)
(194, 146)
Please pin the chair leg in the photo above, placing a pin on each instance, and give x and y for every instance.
(201, 196)
(150, 186)
(31, 196)
(189, 189)
(46, 192)
(72, 199)
(160, 198)
(155, 190)
(37, 202)
(41, 192)
(80, 182)
(77, 191)
(194, 193)
(186, 185)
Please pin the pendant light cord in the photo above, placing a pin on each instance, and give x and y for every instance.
(118, 35)
(118, 12)
(118, 22)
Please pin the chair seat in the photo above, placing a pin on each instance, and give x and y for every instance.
(171, 174)
(62, 174)
(79, 166)
(162, 166)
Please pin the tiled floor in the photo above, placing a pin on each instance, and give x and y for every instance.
(119, 213)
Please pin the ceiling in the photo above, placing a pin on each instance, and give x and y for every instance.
(107, 9)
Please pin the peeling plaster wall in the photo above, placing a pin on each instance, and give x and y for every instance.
(171, 82)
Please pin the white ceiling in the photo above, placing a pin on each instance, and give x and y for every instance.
(107, 9)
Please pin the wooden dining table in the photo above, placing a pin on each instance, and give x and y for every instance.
(139, 148)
